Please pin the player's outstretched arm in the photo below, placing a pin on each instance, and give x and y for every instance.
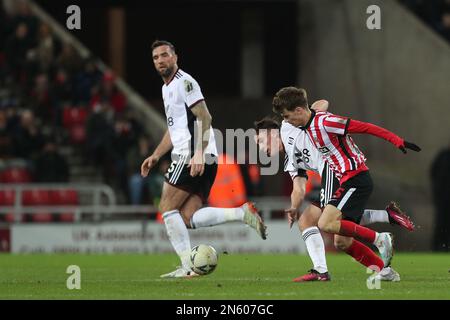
(355, 126)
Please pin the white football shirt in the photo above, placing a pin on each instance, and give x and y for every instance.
(300, 151)
(180, 95)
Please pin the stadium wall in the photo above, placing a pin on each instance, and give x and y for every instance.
(396, 77)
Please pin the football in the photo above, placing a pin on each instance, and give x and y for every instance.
(203, 259)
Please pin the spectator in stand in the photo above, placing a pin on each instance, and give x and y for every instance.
(28, 139)
(69, 60)
(6, 139)
(46, 50)
(61, 95)
(23, 14)
(85, 81)
(40, 98)
(136, 183)
(125, 137)
(108, 92)
(100, 139)
(16, 48)
(50, 165)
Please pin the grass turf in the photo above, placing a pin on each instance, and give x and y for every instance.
(238, 276)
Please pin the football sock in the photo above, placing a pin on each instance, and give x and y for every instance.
(372, 216)
(316, 248)
(351, 229)
(365, 256)
(178, 235)
(209, 216)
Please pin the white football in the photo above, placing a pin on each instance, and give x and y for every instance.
(203, 259)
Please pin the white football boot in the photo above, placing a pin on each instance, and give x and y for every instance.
(387, 274)
(180, 272)
(384, 243)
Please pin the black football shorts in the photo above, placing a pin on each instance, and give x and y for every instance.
(178, 175)
(351, 197)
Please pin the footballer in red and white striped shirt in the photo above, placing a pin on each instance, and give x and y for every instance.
(342, 215)
(329, 134)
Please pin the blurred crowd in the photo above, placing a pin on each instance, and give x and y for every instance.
(51, 97)
(436, 13)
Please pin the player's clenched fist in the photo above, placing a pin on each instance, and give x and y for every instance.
(148, 164)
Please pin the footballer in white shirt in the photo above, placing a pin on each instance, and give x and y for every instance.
(301, 155)
(191, 174)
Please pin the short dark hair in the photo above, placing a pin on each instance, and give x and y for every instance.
(266, 123)
(159, 43)
(289, 98)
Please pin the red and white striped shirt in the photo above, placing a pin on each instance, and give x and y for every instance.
(330, 134)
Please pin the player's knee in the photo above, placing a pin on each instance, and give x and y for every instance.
(305, 222)
(324, 225)
(162, 207)
(341, 244)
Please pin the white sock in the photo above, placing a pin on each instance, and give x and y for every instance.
(209, 216)
(316, 248)
(372, 216)
(178, 235)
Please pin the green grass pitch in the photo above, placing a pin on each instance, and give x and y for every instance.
(238, 276)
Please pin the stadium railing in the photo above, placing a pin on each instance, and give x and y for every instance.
(99, 203)
(17, 199)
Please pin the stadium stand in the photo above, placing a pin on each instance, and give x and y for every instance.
(53, 90)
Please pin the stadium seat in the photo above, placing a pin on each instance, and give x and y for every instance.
(7, 198)
(64, 198)
(15, 175)
(37, 198)
(77, 134)
(74, 116)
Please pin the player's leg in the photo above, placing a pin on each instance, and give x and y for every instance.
(211, 216)
(392, 214)
(359, 252)
(351, 198)
(314, 245)
(192, 204)
(311, 233)
(172, 198)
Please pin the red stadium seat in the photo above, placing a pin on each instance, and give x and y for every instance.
(37, 198)
(7, 198)
(64, 198)
(77, 134)
(74, 116)
(15, 175)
